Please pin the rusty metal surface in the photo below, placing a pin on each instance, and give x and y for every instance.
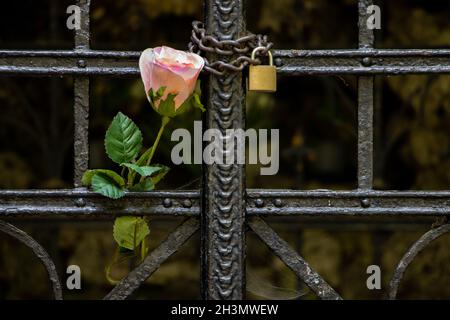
(409, 256)
(154, 260)
(39, 252)
(293, 260)
(223, 209)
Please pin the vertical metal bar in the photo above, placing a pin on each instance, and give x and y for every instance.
(81, 99)
(378, 133)
(223, 209)
(365, 104)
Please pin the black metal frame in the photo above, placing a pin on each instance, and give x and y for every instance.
(224, 207)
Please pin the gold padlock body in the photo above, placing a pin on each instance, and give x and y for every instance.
(262, 78)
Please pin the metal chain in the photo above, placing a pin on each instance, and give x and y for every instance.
(203, 43)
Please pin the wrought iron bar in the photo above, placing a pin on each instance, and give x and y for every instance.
(365, 103)
(223, 208)
(289, 62)
(409, 256)
(39, 251)
(84, 204)
(81, 99)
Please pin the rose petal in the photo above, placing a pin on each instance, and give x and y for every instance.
(163, 77)
(146, 66)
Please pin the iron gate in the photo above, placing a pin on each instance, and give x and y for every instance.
(224, 208)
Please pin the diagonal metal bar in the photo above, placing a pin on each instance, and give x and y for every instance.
(293, 260)
(154, 260)
(39, 251)
(409, 256)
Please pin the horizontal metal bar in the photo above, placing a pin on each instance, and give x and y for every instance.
(101, 54)
(85, 204)
(75, 62)
(348, 203)
(289, 62)
(362, 61)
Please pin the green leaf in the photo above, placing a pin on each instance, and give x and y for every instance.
(146, 185)
(89, 174)
(107, 186)
(129, 232)
(161, 174)
(144, 171)
(123, 139)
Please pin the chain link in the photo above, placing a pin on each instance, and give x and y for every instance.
(203, 43)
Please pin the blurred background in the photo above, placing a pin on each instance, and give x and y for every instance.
(317, 117)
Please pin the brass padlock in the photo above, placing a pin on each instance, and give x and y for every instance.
(262, 78)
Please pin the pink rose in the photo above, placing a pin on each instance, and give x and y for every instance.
(176, 70)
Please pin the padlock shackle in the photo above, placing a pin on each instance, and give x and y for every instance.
(261, 49)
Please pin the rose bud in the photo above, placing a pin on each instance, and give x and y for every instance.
(170, 78)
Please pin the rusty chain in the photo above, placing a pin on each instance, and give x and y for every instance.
(203, 43)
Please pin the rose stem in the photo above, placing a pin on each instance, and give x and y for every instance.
(164, 122)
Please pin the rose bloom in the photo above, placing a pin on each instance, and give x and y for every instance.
(174, 69)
